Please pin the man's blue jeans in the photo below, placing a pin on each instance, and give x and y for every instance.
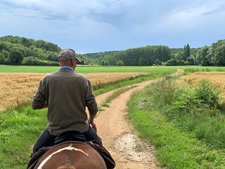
(46, 139)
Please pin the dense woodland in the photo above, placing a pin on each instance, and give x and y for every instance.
(17, 50)
(213, 55)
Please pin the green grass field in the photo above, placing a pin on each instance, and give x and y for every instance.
(101, 69)
(84, 69)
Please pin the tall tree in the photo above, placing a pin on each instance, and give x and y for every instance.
(2, 58)
(201, 56)
(120, 63)
(219, 59)
(15, 57)
(187, 52)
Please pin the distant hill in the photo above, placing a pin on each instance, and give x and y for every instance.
(25, 42)
(19, 50)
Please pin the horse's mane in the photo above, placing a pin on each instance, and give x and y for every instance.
(66, 167)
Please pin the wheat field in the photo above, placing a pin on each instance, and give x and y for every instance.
(19, 88)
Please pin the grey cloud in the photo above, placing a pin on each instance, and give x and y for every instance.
(215, 11)
(9, 4)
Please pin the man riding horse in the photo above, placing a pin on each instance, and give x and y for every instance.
(66, 94)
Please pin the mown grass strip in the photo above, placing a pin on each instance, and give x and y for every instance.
(115, 95)
(175, 148)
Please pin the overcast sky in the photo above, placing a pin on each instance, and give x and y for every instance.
(107, 25)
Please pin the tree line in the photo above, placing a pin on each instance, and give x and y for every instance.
(144, 56)
(23, 51)
(213, 55)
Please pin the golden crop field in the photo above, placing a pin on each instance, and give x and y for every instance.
(217, 78)
(18, 88)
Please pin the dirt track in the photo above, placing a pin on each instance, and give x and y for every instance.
(119, 137)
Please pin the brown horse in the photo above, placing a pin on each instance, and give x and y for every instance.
(71, 156)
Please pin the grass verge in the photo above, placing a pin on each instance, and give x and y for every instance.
(19, 130)
(176, 147)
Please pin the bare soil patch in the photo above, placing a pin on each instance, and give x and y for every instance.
(135, 148)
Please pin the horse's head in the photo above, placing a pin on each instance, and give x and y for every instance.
(66, 167)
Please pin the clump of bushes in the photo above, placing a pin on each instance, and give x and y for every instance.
(195, 98)
(176, 62)
(163, 92)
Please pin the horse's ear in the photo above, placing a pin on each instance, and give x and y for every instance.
(66, 167)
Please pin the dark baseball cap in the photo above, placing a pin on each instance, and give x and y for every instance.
(67, 54)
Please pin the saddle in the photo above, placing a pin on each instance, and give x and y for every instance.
(69, 136)
(75, 138)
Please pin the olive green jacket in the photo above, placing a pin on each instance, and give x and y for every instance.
(67, 95)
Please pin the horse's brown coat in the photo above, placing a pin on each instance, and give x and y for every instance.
(71, 159)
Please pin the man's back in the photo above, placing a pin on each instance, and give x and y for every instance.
(67, 93)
